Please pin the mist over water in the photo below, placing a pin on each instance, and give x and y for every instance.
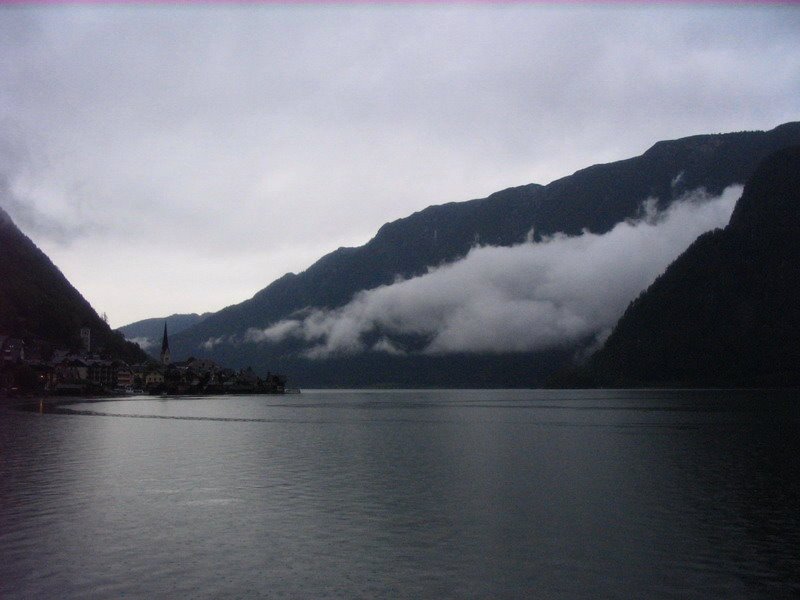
(405, 494)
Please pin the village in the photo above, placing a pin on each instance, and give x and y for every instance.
(36, 368)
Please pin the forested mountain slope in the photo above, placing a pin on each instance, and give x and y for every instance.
(37, 301)
(595, 198)
(727, 312)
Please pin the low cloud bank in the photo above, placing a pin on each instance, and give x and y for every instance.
(145, 343)
(512, 299)
(216, 341)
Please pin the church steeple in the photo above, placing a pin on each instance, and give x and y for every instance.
(165, 347)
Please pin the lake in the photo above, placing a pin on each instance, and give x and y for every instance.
(405, 494)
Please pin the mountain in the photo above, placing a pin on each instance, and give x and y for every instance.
(595, 199)
(727, 311)
(147, 333)
(37, 301)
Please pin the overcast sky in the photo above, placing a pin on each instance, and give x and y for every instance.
(180, 158)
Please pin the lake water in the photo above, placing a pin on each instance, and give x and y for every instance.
(405, 494)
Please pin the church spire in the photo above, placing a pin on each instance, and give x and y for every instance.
(165, 347)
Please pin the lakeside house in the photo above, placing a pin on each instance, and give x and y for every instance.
(35, 367)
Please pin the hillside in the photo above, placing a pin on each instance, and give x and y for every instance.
(595, 198)
(727, 312)
(37, 301)
(147, 333)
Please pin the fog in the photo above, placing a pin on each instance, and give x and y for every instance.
(511, 299)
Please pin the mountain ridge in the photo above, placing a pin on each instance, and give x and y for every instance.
(594, 198)
(38, 302)
(726, 311)
(147, 332)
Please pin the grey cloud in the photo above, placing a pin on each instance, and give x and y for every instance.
(526, 297)
(212, 341)
(37, 223)
(260, 132)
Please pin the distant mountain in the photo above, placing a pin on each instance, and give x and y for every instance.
(37, 301)
(595, 198)
(148, 332)
(727, 311)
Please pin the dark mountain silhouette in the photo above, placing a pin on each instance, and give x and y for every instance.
(595, 198)
(727, 311)
(153, 329)
(37, 301)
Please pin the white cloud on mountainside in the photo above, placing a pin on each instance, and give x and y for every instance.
(145, 343)
(512, 299)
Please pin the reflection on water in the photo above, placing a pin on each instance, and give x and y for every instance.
(494, 494)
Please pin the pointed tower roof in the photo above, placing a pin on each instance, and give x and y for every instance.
(165, 341)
